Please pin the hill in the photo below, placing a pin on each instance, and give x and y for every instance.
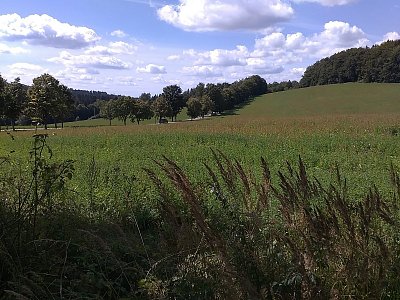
(351, 98)
(377, 64)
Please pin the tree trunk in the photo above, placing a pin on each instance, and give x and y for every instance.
(125, 122)
(45, 126)
(13, 125)
(110, 121)
(138, 121)
(62, 124)
(55, 125)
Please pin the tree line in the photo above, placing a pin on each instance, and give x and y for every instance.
(47, 101)
(376, 64)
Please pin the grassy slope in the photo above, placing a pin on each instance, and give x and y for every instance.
(351, 98)
(303, 125)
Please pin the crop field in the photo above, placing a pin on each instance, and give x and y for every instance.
(354, 125)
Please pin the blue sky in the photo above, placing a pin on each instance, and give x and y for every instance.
(134, 46)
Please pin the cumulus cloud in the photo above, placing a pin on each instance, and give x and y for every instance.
(118, 33)
(25, 69)
(390, 36)
(152, 69)
(5, 49)
(46, 31)
(263, 66)
(209, 15)
(336, 36)
(329, 2)
(112, 48)
(127, 80)
(221, 57)
(173, 57)
(90, 61)
(203, 71)
(276, 53)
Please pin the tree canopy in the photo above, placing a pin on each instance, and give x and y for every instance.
(376, 64)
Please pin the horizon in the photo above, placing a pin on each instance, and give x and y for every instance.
(129, 47)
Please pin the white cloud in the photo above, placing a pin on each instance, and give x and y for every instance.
(5, 49)
(127, 80)
(90, 61)
(390, 36)
(113, 48)
(328, 2)
(46, 31)
(203, 71)
(263, 66)
(220, 57)
(25, 69)
(118, 33)
(210, 15)
(152, 69)
(276, 54)
(173, 57)
(336, 37)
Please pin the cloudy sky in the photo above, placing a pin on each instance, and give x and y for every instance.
(134, 46)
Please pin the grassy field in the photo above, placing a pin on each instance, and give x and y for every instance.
(112, 234)
(353, 125)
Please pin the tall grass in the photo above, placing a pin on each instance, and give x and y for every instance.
(239, 234)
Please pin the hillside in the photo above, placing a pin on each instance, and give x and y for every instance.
(350, 98)
(377, 64)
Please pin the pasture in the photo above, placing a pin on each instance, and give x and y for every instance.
(122, 226)
(353, 125)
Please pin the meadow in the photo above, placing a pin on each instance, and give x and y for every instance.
(354, 127)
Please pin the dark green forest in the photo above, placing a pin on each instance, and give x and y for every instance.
(376, 64)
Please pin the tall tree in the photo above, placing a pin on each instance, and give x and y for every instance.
(43, 102)
(173, 95)
(142, 112)
(15, 100)
(2, 100)
(206, 105)
(162, 108)
(215, 94)
(124, 107)
(107, 109)
(193, 107)
(64, 105)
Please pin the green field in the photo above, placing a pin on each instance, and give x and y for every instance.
(115, 232)
(354, 125)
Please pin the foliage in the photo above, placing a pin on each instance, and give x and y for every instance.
(162, 108)
(377, 64)
(123, 107)
(194, 108)
(47, 99)
(173, 95)
(107, 110)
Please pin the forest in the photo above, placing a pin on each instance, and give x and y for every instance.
(380, 63)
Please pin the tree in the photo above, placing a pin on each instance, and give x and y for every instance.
(64, 105)
(15, 99)
(123, 108)
(215, 94)
(142, 112)
(173, 95)
(44, 96)
(107, 109)
(162, 108)
(2, 99)
(206, 105)
(193, 107)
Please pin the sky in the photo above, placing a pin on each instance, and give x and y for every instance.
(129, 47)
